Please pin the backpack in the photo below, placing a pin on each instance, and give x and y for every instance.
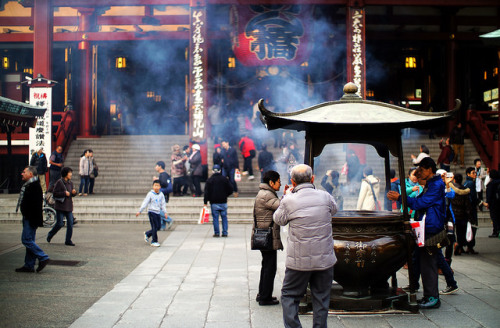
(451, 156)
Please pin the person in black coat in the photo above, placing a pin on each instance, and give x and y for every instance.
(217, 189)
(64, 190)
(229, 164)
(30, 201)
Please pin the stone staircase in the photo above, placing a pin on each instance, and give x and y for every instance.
(126, 166)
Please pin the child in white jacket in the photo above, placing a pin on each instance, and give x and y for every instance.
(155, 201)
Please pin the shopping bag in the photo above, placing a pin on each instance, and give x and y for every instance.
(237, 175)
(468, 233)
(418, 228)
(204, 215)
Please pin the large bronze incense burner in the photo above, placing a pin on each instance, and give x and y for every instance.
(371, 246)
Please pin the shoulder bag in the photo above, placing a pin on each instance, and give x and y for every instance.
(262, 238)
(377, 203)
(60, 199)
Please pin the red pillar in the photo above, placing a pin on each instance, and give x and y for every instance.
(87, 23)
(42, 41)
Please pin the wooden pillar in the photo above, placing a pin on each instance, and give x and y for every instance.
(86, 24)
(356, 46)
(43, 36)
(198, 75)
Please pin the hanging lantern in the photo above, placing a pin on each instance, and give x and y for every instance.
(121, 62)
(5, 63)
(411, 62)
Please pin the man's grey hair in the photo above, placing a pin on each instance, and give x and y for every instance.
(33, 170)
(302, 173)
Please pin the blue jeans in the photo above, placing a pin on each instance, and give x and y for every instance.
(230, 175)
(222, 210)
(60, 223)
(84, 180)
(33, 251)
(164, 220)
(445, 267)
(155, 221)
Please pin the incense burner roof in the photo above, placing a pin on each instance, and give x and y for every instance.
(352, 110)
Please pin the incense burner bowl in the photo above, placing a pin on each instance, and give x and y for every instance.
(370, 247)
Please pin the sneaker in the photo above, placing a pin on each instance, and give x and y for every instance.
(25, 269)
(146, 238)
(42, 264)
(493, 235)
(448, 290)
(169, 224)
(79, 194)
(251, 177)
(430, 303)
(244, 173)
(155, 244)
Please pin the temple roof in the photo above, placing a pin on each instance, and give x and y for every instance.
(16, 113)
(353, 110)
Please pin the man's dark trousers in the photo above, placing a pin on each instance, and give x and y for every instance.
(267, 275)
(429, 270)
(294, 288)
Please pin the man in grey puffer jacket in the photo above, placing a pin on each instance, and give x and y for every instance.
(310, 254)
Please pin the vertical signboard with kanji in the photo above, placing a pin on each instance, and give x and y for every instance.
(198, 73)
(356, 70)
(40, 135)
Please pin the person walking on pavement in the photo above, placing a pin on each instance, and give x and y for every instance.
(39, 160)
(217, 189)
(310, 256)
(229, 164)
(431, 203)
(155, 202)
(30, 202)
(266, 203)
(56, 161)
(64, 190)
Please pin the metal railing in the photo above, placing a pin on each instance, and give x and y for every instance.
(482, 127)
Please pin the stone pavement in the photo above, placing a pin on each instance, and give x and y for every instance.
(195, 280)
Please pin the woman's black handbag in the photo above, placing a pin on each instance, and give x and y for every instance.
(262, 238)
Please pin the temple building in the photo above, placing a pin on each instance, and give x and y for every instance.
(175, 66)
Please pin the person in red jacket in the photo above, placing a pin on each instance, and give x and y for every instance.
(446, 152)
(247, 148)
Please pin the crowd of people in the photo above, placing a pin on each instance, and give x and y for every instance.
(447, 202)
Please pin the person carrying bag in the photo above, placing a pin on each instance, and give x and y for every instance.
(266, 235)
